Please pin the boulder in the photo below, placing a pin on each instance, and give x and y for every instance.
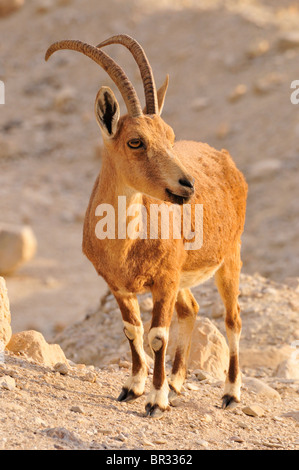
(17, 246)
(5, 319)
(260, 388)
(289, 368)
(33, 345)
(209, 350)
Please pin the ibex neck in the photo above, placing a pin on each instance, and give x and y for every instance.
(124, 200)
(112, 185)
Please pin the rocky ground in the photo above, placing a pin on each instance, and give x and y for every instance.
(46, 410)
(231, 64)
(73, 405)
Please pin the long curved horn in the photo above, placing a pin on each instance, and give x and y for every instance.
(144, 67)
(115, 72)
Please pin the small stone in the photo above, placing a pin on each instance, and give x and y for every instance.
(288, 40)
(202, 443)
(258, 49)
(159, 441)
(267, 83)
(77, 409)
(124, 364)
(238, 92)
(191, 386)
(253, 410)
(237, 439)
(63, 434)
(148, 443)
(62, 368)
(203, 375)
(206, 417)
(7, 383)
(105, 432)
(90, 377)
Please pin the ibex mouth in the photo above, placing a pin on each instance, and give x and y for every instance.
(176, 199)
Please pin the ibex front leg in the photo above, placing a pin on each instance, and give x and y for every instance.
(157, 400)
(133, 329)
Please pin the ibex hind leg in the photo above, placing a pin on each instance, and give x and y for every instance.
(227, 281)
(187, 308)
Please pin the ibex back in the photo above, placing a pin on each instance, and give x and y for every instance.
(143, 162)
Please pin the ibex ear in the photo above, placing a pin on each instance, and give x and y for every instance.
(107, 111)
(162, 93)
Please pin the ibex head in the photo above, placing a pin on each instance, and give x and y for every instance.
(139, 144)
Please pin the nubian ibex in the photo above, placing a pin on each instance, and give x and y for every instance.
(144, 163)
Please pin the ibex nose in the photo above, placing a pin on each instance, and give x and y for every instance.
(188, 183)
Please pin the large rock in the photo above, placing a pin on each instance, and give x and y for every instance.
(209, 350)
(33, 345)
(289, 368)
(9, 6)
(260, 388)
(5, 328)
(17, 246)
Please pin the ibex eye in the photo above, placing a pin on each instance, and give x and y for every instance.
(135, 143)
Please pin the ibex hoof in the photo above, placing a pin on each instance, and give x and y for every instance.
(154, 411)
(127, 395)
(229, 402)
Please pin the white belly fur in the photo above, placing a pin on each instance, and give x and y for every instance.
(193, 278)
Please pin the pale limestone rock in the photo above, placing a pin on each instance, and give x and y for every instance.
(5, 318)
(7, 383)
(289, 368)
(261, 388)
(62, 368)
(33, 345)
(253, 410)
(17, 246)
(209, 350)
